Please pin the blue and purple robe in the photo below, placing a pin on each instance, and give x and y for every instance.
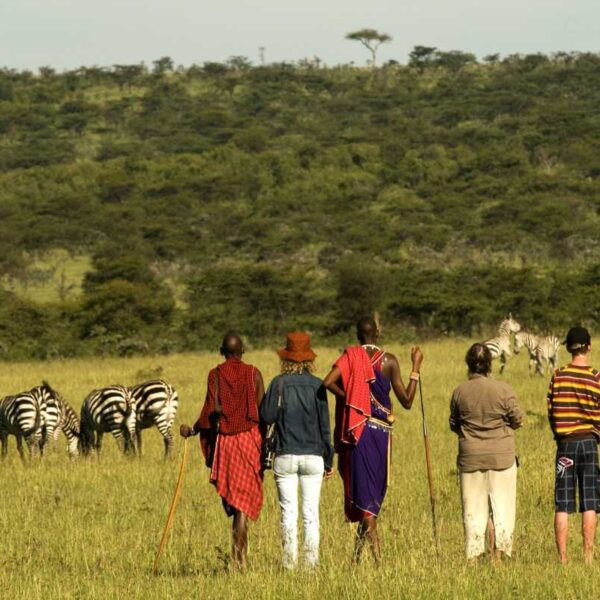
(365, 467)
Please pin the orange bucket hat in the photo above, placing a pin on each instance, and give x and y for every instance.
(297, 347)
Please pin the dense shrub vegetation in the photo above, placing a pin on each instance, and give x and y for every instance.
(443, 193)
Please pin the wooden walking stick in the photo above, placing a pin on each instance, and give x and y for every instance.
(429, 473)
(171, 515)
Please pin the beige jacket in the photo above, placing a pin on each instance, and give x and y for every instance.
(484, 413)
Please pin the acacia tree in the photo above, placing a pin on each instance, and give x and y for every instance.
(370, 39)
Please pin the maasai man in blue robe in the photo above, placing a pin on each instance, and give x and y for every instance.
(361, 380)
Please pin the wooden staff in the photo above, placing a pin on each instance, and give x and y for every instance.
(174, 502)
(429, 473)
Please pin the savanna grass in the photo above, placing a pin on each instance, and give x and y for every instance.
(90, 528)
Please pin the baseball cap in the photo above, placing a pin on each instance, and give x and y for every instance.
(578, 337)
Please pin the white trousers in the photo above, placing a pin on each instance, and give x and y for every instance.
(481, 492)
(308, 470)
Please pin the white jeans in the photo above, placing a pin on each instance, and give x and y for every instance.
(481, 491)
(308, 468)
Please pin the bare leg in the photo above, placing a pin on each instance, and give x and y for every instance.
(367, 531)
(4, 439)
(561, 532)
(491, 538)
(588, 526)
(240, 538)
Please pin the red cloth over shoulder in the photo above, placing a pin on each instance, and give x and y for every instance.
(352, 413)
(237, 394)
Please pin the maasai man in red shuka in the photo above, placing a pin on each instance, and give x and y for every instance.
(361, 380)
(234, 455)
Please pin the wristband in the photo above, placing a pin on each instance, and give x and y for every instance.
(415, 376)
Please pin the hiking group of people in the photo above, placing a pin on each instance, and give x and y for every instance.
(484, 413)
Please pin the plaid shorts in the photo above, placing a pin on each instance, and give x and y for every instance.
(577, 468)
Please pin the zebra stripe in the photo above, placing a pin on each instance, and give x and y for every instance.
(499, 346)
(530, 341)
(60, 416)
(546, 353)
(108, 409)
(23, 416)
(156, 403)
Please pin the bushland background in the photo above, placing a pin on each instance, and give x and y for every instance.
(148, 209)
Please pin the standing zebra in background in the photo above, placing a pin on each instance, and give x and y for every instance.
(530, 341)
(23, 416)
(155, 404)
(500, 346)
(546, 353)
(60, 416)
(108, 409)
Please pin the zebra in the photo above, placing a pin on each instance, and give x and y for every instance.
(60, 416)
(530, 341)
(107, 409)
(156, 403)
(546, 353)
(499, 346)
(23, 416)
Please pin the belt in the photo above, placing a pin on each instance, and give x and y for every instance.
(380, 423)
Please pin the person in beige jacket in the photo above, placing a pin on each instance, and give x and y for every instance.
(484, 413)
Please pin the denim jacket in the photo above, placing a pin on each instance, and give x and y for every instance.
(302, 423)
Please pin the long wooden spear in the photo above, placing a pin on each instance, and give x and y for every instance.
(429, 472)
(171, 515)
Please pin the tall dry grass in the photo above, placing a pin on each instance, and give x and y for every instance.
(90, 528)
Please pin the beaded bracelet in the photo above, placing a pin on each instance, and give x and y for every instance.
(414, 376)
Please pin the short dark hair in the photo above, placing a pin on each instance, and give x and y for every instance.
(232, 344)
(366, 328)
(479, 359)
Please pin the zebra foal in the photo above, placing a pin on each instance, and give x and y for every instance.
(23, 416)
(108, 409)
(60, 416)
(156, 403)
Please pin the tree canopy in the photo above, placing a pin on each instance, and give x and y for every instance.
(443, 193)
(370, 39)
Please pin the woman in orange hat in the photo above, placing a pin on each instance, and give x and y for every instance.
(296, 402)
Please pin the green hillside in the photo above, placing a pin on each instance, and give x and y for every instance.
(149, 209)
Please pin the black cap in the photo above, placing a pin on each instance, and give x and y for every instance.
(577, 338)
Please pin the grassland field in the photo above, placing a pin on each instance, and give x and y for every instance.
(90, 528)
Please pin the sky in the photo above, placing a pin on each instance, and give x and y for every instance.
(66, 34)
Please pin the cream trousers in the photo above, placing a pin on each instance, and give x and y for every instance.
(482, 492)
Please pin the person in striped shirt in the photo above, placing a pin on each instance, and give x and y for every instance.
(574, 413)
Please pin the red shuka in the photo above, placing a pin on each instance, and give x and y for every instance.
(237, 394)
(236, 471)
(357, 372)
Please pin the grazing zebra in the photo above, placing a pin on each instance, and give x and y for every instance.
(155, 404)
(108, 409)
(23, 416)
(546, 353)
(60, 416)
(499, 346)
(530, 341)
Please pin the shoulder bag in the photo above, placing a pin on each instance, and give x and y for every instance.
(269, 444)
